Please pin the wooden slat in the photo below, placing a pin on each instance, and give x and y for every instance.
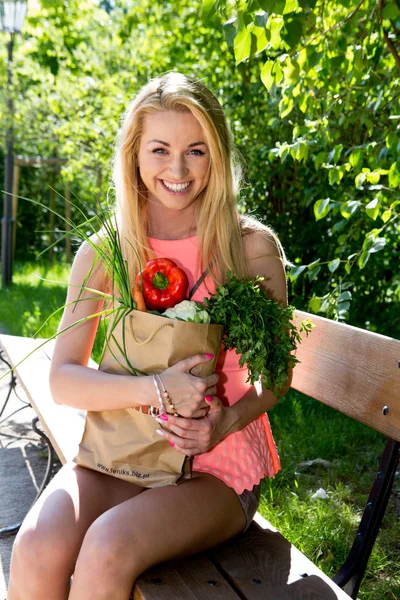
(193, 578)
(263, 565)
(63, 424)
(354, 371)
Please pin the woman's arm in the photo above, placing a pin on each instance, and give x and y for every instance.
(72, 382)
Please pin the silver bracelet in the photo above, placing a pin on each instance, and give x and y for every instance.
(167, 400)
(160, 400)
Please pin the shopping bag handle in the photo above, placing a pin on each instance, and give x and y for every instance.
(150, 337)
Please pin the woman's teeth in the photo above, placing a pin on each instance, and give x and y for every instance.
(176, 187)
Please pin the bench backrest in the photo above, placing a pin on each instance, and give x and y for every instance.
(352, 370)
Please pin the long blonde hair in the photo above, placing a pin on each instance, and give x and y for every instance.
(219, 226)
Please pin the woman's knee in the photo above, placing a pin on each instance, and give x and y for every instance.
(51, 551)
(107, 549)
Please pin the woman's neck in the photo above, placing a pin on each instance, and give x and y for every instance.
(171, 235)
(175, 226)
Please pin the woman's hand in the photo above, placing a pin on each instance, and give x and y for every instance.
(196, 436)
(187, 392)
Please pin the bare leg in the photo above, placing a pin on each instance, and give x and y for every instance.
(158, 525)
(48, 543)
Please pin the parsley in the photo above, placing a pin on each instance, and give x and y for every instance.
(259, 329)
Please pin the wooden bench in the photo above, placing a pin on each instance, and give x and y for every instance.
(354, 371)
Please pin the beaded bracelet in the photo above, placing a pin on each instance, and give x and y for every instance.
(162, 408)
(167, 399)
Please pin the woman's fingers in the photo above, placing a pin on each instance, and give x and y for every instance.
(184, 428)
(189, 447)
(186, 391)
(188, 363)
(211, 391)
(189, 436)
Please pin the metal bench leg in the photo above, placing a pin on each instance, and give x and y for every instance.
(12, 384)
(350, 575)
(11, 529)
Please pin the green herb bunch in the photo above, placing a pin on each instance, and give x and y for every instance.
(258, 328)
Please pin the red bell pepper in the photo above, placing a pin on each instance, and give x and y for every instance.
(163, 283)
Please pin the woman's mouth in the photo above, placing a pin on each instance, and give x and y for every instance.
(176, 188)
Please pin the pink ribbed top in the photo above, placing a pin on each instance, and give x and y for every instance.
(245, 457)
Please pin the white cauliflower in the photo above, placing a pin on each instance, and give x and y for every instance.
(188, 310)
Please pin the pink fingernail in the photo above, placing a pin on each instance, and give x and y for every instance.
(209, 355)
(163, 417)
(208, 398)
(171, 443)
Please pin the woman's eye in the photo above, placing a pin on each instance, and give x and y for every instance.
(194, 152)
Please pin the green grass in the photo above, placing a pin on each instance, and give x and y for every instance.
(304, 429)
(29, 301)
(37, 291)
(324, 530)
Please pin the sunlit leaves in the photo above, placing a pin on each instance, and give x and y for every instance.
(209, 8)
(313, 270)
(372, 209)
(347, 209)
(261, 37)
(286, 106)
(355, 158)
(273, 6)
(335, 153)
(274, 26)
(242, 44)
(296, 271)
(394, 175)
(335, 175)
(373, 243)
(333, 265)
(267, 75)
(291, 71)
(299, 150)
(392, 140)
(321, 208)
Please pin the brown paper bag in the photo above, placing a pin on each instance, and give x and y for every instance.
(124, 443)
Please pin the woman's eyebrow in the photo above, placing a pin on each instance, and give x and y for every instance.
(168, 145)
(159, 142)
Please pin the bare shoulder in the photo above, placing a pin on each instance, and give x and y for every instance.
(261, 243)
(87, 265)
(265, 257)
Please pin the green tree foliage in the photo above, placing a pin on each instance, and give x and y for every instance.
(332, 76)
(311, 91)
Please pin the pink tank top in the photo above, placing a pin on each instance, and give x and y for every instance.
(245, 457)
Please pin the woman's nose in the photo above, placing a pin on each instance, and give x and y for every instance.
(178, 167)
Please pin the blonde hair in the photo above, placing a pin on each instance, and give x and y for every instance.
(219, 226)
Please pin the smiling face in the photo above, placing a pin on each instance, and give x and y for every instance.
(173, 159)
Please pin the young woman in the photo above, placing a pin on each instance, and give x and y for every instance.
(176, 180)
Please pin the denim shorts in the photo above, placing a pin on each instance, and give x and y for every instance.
(250, 501)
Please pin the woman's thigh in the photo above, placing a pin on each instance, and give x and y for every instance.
(161, 524)
(71, 502)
